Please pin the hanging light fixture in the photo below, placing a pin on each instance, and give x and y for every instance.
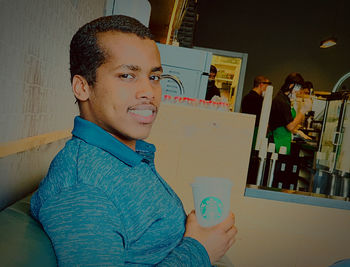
(331, 41)
(328, 42)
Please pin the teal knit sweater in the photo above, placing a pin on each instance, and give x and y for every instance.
(103, 204)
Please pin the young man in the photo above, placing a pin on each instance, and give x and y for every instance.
(252, 102)
(102, 202)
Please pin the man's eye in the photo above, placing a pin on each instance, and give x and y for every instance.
(126, 76)
(155, 77)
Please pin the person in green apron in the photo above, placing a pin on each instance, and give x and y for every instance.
(282, 123)
(282, 136)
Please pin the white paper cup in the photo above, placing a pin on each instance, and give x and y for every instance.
(212, 197)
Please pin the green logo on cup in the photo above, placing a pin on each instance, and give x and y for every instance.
(211, 208)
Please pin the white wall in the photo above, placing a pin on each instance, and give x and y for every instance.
(36, 96)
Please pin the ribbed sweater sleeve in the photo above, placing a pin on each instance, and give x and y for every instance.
(84, 228)
(189, 253)
(87, 229)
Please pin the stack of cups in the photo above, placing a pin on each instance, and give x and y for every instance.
(212, 198)
(283, 150)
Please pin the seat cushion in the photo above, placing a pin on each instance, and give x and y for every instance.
(23, 241)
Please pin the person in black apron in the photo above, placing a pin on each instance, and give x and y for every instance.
(282, 123)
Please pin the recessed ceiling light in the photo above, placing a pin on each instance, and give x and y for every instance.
(328, 42)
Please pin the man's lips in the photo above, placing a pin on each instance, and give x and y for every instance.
(144, 113)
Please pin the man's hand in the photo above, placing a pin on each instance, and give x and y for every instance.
(301, 134)
(216, 239)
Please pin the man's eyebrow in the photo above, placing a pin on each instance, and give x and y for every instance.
(129, 67)
(137, 68)
(155, 69)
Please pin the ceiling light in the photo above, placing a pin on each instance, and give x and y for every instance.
(328, 42)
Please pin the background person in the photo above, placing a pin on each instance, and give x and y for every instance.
(308, 88)
(102, 202)
(282, 122)
(252, 102)
(305, 92)
(212, 90)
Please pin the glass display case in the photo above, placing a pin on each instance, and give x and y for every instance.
(332, 161)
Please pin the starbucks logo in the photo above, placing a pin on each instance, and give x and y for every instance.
(211, 208)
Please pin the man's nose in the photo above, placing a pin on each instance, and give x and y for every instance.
(145, 89)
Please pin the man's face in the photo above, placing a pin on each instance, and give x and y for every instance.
(302, 92)
(264, 85)
(125, 98)
(212, 76)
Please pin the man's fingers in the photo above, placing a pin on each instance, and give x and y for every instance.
(228, 222)
(230, 243)
(232, 232)
(192, 212)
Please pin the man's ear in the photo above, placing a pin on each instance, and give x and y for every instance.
(81, 88)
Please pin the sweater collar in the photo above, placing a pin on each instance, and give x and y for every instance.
(96, 136)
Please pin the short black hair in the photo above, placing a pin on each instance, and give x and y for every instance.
(293, 78)
(85, 53)
(308, 85)
(259, 79)
(213, 69)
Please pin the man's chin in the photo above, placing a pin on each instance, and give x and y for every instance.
(143, 136)
(143, 133)
(133, 134)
